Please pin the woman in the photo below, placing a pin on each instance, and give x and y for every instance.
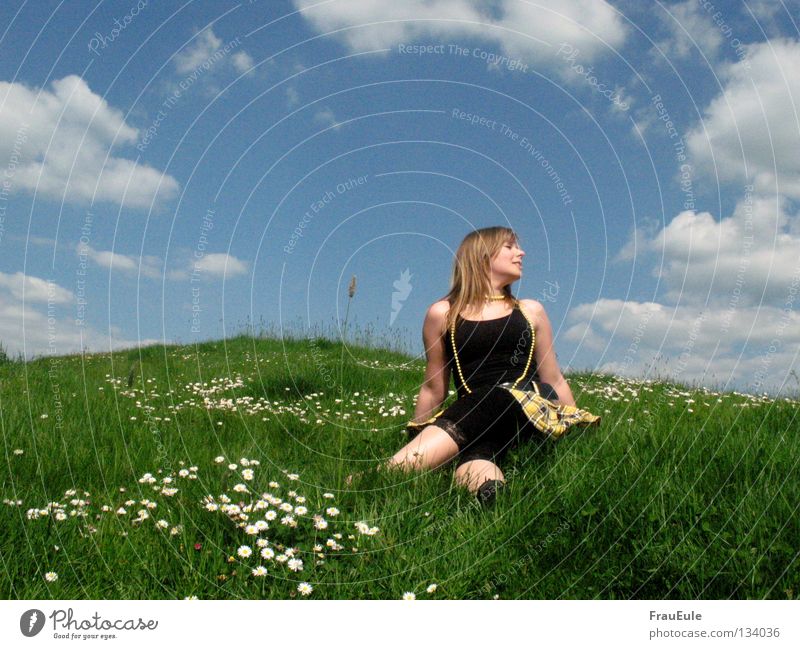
(505, 370)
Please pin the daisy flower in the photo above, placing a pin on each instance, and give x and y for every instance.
(251, 530)
(300, 510)
(262, 543)
(50, 576)
(327, 495)
(232, 467)
(289, 521)
(261, 571)
(240, 488)
(332, 511)
(304, 588)
(274, 485)
(267, 553)
(432, 588)
(261, 525)
(219, 459)
(244, 551)
(248, 474)
(409, 596)
(321, 524)
(285, 507)
(271, 515)
(295, 565)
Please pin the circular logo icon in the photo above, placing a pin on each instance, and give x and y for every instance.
(31, 622)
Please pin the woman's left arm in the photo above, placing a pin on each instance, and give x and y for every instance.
(544, 354)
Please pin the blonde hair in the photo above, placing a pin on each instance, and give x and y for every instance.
(470, 281)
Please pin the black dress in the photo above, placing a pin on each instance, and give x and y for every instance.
(487, 421)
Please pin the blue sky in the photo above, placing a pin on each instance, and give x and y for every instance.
(170, 171)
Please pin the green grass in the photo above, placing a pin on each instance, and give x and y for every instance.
(668, 498)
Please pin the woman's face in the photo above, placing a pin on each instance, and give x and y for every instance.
(507, 262)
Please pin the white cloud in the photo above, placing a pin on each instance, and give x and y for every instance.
(242, 61)
(753, 348)
(751, 257)
(732, 295)
(50, 328)
(62, 143)
(147, 266)
(33, 289)
(207, 50)
(326, 117)
(517, 28)
(215, 264)
(751, 131)
(689, 27)
(292, 97)
(199, 50)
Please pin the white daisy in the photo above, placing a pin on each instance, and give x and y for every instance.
(261, 571)
(321, 524)
(304, 588)
(289, 521)
(248, 474)
(262, 525)
(271, 515)
(409, 596)
(244, 551)
(332, 511)
(267, 553)
(295, 565)
(50, 576)
(285, 507)
(432, 588)
(328, 495)
(301, 510)
(251, 530)
(240, 488)
(219, 459)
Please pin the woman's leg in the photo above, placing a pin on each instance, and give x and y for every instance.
(474, 473)
(432, 448)
(428, 450)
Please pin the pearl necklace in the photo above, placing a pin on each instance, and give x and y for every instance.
(530, 351)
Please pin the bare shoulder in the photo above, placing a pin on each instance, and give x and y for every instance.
(534, 309)
(439, 309)
(437, 315)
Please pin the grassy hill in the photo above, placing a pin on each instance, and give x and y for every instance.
(116, 477)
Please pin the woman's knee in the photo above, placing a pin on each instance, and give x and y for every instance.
(474, 473)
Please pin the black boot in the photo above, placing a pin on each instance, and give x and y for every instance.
(488, 491)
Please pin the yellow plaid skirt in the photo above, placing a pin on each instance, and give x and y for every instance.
(553, 420)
